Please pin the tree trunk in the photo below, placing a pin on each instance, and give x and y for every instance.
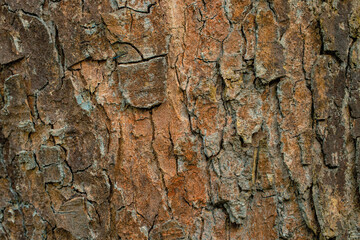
(179, 119)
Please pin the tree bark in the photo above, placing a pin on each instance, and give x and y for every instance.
(179, 119)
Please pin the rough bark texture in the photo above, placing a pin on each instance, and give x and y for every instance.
(179, 119)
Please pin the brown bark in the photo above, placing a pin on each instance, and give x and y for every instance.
(179, 119)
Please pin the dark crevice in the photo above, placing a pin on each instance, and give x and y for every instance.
(131, 45)
(323, 51)
(147, 11)
(59, 48)
(144, 60)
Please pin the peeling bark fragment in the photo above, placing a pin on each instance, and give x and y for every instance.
(324, 75)
(248, 116)
(73, 217)
(82, 149)
(8, 49)
(335, 29)
(269, 57)
(146, 32)
(49, 155)
(95, 186)
(31, 6)
(81, 35)
(232, 66)
(15, 114)
(168, 230)
(306, 143)
(28, 159)
(143, 84)
(40, 55)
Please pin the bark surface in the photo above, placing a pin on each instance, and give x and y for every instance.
(179, 119)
